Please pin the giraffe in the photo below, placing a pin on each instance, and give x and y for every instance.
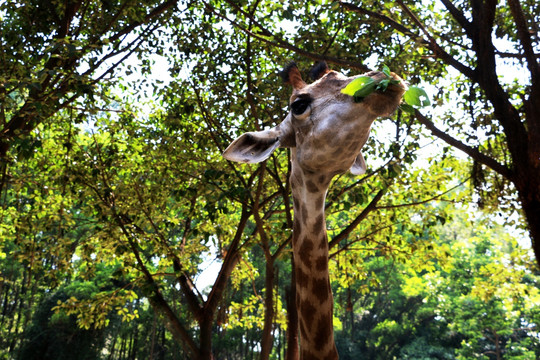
(325, 130)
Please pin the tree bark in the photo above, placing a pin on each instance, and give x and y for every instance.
(205, 336)
(529, 195)
(266, 341)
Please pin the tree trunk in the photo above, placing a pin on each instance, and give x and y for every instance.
(529, 195)
(5, 303)
(15, 342)
(153, 339)
(266, 341)
(205, 336)
(134, 344)
(122, 347)
(173, 323)
(112, 350)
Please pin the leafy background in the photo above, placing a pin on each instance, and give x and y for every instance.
(115, 198)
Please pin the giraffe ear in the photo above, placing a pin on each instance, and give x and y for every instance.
(252, 147)
(291, 75)
(359, 166)
(319, 70)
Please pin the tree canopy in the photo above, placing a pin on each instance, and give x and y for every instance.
(115, 197)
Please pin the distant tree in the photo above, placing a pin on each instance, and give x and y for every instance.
(477, 301)
(57, 336)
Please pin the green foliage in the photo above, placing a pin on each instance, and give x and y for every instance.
(416, 96)
(363, 86)
(467, 306)
(60, 336)
(114, 196)
(360, 87)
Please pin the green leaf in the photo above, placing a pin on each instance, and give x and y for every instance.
(362, 86)
(383, 84)
(416, 96)
(356, 85)
(367, 89)
(386, 71)
(407, 108)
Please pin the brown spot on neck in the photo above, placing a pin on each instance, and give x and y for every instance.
(321, 263)
(308, 312)
(318, 225)
(306, 247)
(312, 187)
(324, 332)
(302, 278)
(321, 289)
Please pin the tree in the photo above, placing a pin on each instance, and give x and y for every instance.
(503, 115)
(493, 307)
(476, 299)
(104, 176)
(58, 336)
(56, 53)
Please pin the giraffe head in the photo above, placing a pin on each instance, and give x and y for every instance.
(327, 128)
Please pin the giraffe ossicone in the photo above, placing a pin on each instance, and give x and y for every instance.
(326, 131)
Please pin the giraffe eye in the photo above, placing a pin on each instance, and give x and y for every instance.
(299, 106)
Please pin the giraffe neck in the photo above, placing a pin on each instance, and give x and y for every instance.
(314, 300)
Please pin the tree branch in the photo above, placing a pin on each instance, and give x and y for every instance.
(152, 14)
(517, 134)
(472, 152)
(157, 300)
(349, 245)
(268, 37)
(425, 201)
(431, 44)
(371, 206)
(25, 120)
(385, 19)
(525, 39)
(231, 258)
(513, 55)
(458, 15)
(193, 297)
(436, 48)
